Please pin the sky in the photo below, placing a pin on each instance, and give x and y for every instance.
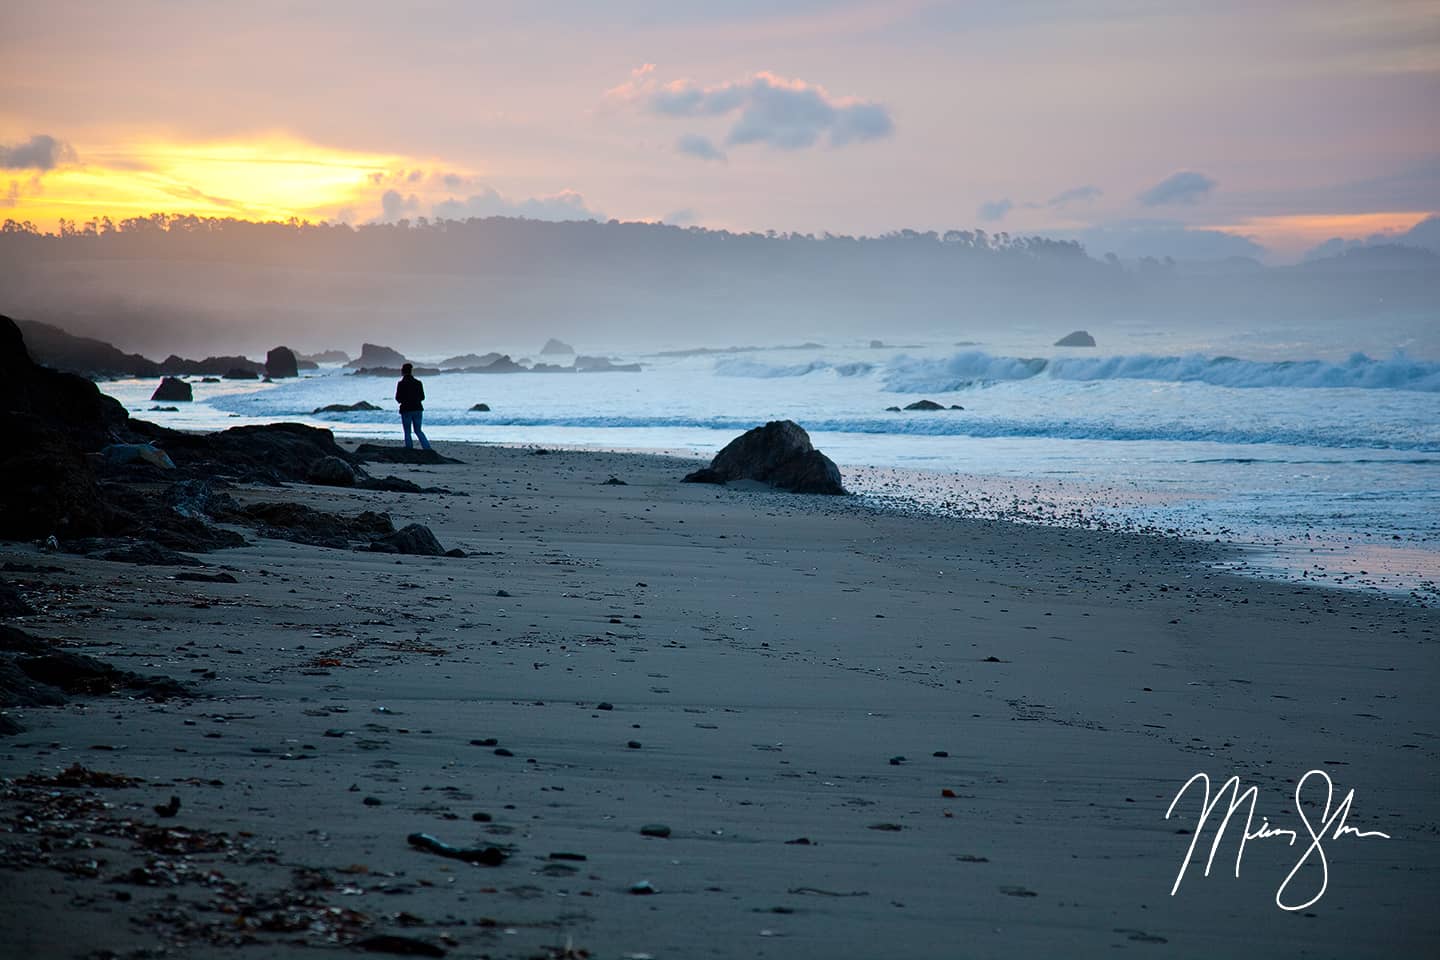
(1193, 130)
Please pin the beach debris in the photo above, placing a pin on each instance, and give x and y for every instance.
(400, 946)
(888, 827)
(643, 888)
(1018, 892)
(655, 830)
(486, 856)
(172, 389)
(168, 809)
(779, 454)
(77, 776)
(896, 761)
(615, 482)
(818, 892)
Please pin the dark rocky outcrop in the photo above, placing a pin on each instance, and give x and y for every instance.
(301, 524)
(553, 347)
(780, 454)
(469, 360)
(924, 405)
(374, 355)
(12, 604)
(414, 539)
(377, 453)
(92, 358)
(501, 364)
(394, 372)
(324, 356)
(210, 366)
(281, 363)
(172, 390)
(603, 365)
(267, 453)
(50, 420)
(356, 407)
(331, 472)
(1077, 339)
(480, 408)
(37, 673)
(241, 373)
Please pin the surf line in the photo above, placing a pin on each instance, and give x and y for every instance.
(1330, 826)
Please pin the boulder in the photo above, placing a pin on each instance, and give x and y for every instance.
(241, 373)
(553, 347)
(501, 364)
(172, 389)
(779, 454)
(281, 363)
(1077, 339)
(374, 355)
(480, 408)
(356, 407)
(924, 405)
(414, 539)
(301, 524)
(331, 472)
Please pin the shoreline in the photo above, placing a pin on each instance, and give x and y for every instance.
(968, 721)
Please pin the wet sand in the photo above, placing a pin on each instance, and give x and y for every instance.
(975, 728)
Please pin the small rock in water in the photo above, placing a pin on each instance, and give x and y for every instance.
(655, 830)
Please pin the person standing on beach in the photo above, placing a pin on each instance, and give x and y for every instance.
(410, 394)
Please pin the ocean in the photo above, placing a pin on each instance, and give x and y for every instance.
(1323, 468)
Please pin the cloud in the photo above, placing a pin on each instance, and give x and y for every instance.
(1424, 234)
(393, 205)
(489, 202)
(698, 146)
(1187, 186)
(781, 113)
(1074, 195)
(40, 152)
(995, 209)
(1132, 239)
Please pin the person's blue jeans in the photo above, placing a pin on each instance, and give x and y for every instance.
(410, 420)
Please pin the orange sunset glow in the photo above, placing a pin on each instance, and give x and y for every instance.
(267, 177)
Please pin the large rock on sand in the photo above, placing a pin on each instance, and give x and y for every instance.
(779, 454)
(280, 363)
(171, 390)
(414, 539)
(331, 472)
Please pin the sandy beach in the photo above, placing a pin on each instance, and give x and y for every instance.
(704, 721)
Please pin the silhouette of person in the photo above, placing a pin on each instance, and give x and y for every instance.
(410, 394)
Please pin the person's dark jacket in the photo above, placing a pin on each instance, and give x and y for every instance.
(409, 393)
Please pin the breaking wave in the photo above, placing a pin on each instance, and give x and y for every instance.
(920, 375)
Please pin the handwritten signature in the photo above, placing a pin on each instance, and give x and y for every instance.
(1331, 826)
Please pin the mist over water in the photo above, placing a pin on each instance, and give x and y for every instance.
(1297, 452)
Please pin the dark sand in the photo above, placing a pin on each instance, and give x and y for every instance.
(773, 656)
